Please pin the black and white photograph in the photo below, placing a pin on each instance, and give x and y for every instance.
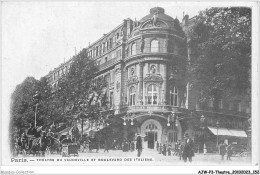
(130, 84)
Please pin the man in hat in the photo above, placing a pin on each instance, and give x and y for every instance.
(188, 152)
(139, 146)
(32, 132)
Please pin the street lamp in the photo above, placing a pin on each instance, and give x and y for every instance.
(36, 97)
(202, 126)
(129, 117)
(217, 124)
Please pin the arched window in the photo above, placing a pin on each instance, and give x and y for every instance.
(174, 96)
(133, 51)
(152, 94)
(132, 96)
(155, 46)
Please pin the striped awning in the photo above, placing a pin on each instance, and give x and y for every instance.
(227, 132)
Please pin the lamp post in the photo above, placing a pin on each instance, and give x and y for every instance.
(217, 124)
(202, 126)
(36, 97)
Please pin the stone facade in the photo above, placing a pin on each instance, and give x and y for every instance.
(144, 63)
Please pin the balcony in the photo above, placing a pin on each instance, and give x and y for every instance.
(151, 108)
(107, 64)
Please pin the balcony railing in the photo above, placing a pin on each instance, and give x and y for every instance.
(107, 64)
(151, 108)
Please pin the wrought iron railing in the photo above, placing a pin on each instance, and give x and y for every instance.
(152, 108)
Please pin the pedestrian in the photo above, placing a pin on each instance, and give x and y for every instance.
(43, 143)
(132, 146)
(169, 150)
(176, 148)
(229, 151)
(180, 149)
(164, 149)
(188, 151)
(157, 146)
(222, 150)
(160, 149)
(106, 146)
(139, 146)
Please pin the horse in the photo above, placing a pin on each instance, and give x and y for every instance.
(94, 144)
(53, 145)
(38, 147)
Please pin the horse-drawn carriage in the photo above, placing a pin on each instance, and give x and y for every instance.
(69, 149)
(27, 145)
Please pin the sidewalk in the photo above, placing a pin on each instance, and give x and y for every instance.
(159, 159)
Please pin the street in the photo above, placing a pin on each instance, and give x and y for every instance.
(152, 157)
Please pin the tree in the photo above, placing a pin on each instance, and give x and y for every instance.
(220, 40)
(22, 111)
(80, 94)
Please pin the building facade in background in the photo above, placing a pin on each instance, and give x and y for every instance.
(144, 63)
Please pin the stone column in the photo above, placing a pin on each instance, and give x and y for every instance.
(141, 66)
(164, 85)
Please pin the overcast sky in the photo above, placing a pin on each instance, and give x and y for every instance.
(38, 36)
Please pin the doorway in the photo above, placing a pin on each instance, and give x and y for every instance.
(152, 130)
(151, 139)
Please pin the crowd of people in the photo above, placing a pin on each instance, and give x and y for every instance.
(184, 150)
(226, 149)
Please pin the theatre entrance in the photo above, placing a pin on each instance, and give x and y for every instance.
(151, 139)
(153, 131)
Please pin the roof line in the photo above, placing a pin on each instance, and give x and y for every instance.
(105, 35)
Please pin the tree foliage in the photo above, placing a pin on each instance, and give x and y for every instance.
(22, 104)
(79, 95)
(220, 41)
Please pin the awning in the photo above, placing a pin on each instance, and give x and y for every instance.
(227, 132)
(65, 131)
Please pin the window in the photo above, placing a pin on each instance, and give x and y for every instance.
(119, 53)
(152, 94)
(210, 103)
(110, 42)
(100, 49)
(104, 47)
(220, 104)
(113, 55)
(151, 126)
(132, 96)
(133, 51)
(239, 107)
(107, 44)
(155, 46)
(96, 50)
(174, 96)
(111, 97)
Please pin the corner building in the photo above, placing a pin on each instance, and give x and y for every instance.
(147, 78)
(144, 63)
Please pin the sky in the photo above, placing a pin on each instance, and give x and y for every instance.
(38, 36)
